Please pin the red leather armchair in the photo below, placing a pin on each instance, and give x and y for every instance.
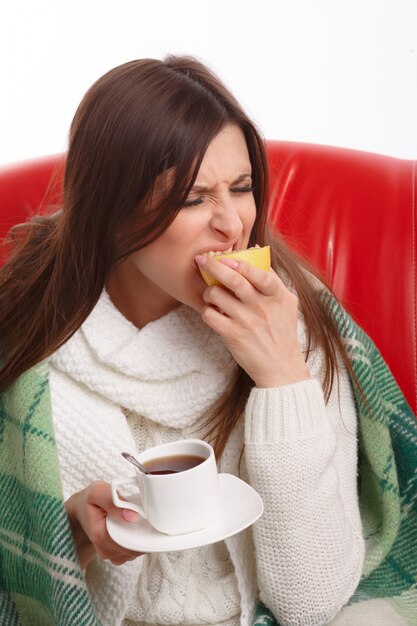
(351, 213)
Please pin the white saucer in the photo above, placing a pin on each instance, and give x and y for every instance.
(240, 504)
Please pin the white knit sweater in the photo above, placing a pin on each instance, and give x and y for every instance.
(305, 554)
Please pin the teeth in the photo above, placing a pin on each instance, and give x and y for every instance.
(217, 253)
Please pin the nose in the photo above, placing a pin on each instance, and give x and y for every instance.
(226, 219)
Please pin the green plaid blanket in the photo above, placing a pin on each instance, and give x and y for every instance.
(388, 471)
(41, 583)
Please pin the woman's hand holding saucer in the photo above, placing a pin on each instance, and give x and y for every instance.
(87, 511)
(256, 315)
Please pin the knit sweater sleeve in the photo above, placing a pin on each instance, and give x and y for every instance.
(301, 456)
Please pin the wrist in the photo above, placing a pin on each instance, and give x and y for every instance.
(288, 376)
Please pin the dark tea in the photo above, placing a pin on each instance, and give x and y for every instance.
(172, 464)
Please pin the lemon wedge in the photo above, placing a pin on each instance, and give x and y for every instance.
(259, 257)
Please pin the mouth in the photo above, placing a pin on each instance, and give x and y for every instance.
(219, 252)
(214, 253)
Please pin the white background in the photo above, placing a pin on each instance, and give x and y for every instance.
(338, 72)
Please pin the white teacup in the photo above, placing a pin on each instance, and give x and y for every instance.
(175, 503)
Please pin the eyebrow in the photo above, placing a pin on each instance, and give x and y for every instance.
(239, 179)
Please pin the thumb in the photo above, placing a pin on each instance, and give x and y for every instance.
(101, 498)
(128, 514)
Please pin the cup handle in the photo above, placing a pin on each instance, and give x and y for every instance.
(126, 504)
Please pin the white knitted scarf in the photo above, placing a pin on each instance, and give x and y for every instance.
(171, 371)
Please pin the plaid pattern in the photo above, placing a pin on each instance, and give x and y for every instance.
(388, 470)
(41, 583)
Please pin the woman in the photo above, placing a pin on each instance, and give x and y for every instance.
(163, 167)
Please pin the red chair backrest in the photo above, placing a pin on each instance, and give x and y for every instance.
(351, 213)
(25, 187)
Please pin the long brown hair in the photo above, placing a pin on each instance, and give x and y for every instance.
(136, 122)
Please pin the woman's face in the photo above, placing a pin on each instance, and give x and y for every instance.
(218, 215)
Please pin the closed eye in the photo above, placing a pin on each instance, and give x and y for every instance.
(195, 202)
(200, 200)
(249, 189)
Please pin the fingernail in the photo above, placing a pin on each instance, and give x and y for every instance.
(230, 262)
(201, 260)
(130, 516)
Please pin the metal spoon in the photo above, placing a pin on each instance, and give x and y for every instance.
(134, 462)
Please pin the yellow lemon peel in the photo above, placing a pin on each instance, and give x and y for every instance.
(259, 257)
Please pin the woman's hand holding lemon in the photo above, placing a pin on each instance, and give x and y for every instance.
(256, 315)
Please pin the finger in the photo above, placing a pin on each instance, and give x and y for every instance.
(226, 275)
(100, 495)
(267, 283)
(225, 302)
(121, 560)
(106, 547)
(99, 536)
(239, 276)
(220, 323)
